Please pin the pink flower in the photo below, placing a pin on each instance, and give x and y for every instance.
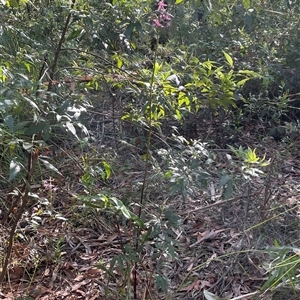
(165, 17)
(156, 23)
(161, 5)
(162, 17)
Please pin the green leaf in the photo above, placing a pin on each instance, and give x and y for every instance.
(224, 179)
(228, 58)
(107, 169)
(71, 128)
(242, 82)
(183, 99)
(74, 34)
(249, 18)
(89, 21)
(50, 166)
(138, 27)
(249, 72)
(31, 103)
(161, 282)
(46, 132)
(250, 156)
(119, 63)
(21, 125)
(27, 66)
(157, 67)
(120, 205)
(246, 4)
(12, 3)
(35, 128)
(229, 189)
(14, 169)
(126, 212)
(129, 30)
(9, 122)
(178, 1)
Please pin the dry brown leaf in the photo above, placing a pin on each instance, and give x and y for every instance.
(197, 285)
(16, 272)
(79, 278)
(78, 285)
(190, 266)
(211, 259)
(210, 296)
(208, 234)
(95, 272)
(112, 237)
(8, 296)
(191, 286)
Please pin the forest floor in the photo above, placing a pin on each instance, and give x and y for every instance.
(62, 245)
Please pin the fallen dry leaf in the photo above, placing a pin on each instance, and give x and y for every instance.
(197, 285)
(209, 234)
(78, 285)
(210, 296)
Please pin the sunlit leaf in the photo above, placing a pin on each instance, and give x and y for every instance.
(228, 58)
(119, 62)
(107, 169)
(71, 128)
(31, 103)
(246, 4)
(210, 296)
(157, 67)
(14, 169)
(249, 72)
(49, 166)
(27, 146)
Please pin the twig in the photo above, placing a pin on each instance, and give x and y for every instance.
(32, 160)
(59, 46)
(221, 202)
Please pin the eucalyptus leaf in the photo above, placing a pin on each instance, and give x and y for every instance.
(9, 122)
(49, 166)
(210, 296)
(14, 169)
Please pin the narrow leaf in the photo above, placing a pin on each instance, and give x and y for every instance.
(228, 58)
(14, 169)
(74, 34)
(71, 128)
(210, 296)
(49, 166)
(9, 122)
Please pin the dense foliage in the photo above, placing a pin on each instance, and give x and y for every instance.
(91, 91)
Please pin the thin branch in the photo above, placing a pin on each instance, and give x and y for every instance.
(32, 160)
(59, 46)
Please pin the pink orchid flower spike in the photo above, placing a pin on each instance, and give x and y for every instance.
(161, 5)
(156, 23)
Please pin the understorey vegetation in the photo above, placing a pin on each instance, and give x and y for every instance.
(149, 149)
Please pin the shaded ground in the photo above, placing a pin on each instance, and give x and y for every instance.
(63, 245)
